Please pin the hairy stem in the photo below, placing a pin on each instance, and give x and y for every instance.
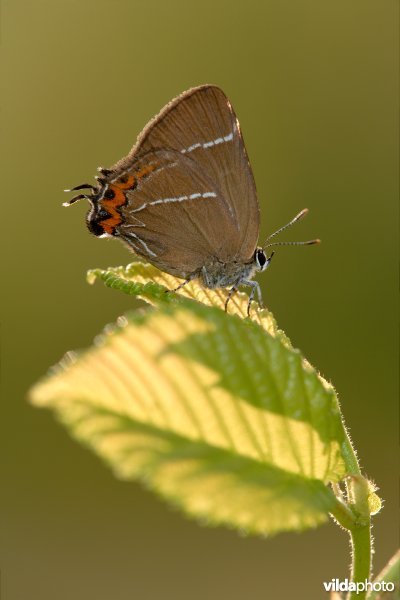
(361, 557)
(359, 526)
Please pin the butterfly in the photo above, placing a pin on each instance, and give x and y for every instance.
(184, 198)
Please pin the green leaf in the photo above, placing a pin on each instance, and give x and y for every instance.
(210, 410)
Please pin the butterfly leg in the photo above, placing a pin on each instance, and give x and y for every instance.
(259, 294)
(206, 279)
(254, 286)
(231, 292)
(181, 285)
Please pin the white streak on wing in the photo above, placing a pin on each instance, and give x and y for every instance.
(216, 142)
(137, 223)
(145, 246)
(191, 148)
(176, 199)
(141, 207)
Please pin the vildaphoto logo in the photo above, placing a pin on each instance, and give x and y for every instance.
(337, 585)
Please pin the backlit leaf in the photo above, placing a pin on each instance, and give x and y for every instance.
(211, 411)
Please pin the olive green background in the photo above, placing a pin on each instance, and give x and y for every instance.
(314, 84)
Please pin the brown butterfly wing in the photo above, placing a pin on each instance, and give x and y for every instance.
(176, 217)
(201, 125)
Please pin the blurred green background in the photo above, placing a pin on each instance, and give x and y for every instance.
(314, 85)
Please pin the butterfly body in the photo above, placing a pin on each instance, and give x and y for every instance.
(184, 198)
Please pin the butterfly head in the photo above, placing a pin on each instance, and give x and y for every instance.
(261, 260)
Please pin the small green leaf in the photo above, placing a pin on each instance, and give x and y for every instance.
(220, 417)
(374, 504)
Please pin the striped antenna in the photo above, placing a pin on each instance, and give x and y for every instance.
(83, 186)
(307, 243)
(299, 216)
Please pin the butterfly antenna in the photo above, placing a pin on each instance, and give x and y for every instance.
(83, 186)
(75, 199)
(299, 216)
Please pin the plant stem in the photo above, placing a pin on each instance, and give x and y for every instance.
(360, 527)
(361, 557)
(343, 514)
(352, 466)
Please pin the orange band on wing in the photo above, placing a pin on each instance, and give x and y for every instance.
(111, 205)
(127, 182)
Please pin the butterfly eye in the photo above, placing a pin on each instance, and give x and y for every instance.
(260, 258)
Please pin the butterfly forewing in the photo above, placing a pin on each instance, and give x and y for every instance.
(201, 126)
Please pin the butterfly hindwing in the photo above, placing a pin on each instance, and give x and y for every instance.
(174, 217)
